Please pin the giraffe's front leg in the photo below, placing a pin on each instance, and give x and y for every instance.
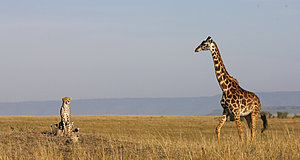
(239, 125)
(221, 123)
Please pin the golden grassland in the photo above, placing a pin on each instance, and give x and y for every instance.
(147, 137)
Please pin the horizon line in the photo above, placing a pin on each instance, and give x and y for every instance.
(83, 99)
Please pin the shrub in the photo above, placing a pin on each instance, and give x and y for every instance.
(282, 114)
(296, 116)
(268, 114)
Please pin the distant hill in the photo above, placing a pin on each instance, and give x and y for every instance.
(194, 106)
(274, 102)
(279, 98)
(290, 109)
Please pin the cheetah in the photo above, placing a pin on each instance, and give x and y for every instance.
(74, 135)
(65, 114)
(56, 130)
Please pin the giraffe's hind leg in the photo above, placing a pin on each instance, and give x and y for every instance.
(254, 117)
(221, 123)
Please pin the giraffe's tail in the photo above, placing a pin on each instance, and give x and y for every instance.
(265, 122)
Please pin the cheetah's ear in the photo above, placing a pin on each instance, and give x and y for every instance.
(70, 98)
(62, 98)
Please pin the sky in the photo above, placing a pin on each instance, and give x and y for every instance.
(142, 48)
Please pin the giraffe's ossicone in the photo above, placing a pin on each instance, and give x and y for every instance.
(235, 99)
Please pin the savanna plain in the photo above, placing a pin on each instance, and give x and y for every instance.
(147, 137)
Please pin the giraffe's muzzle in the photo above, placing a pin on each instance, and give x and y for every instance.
(198, 49)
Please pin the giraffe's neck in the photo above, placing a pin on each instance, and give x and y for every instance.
(224, 79)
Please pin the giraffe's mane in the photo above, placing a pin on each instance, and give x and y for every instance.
(233, 79)
(230, 77)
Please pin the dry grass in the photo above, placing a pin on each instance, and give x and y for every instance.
(146, 137)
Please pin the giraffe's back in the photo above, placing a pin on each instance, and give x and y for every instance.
(241, 101)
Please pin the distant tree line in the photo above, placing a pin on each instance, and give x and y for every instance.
(268, 114)
(279, 114)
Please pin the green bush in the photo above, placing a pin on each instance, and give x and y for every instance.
(296, 116)
(268, 114)
(282, 114)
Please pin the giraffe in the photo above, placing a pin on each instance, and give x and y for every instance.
(235, 99)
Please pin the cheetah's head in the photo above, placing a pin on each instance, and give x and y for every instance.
(66, 100)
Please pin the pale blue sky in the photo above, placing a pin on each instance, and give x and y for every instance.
(115, 49)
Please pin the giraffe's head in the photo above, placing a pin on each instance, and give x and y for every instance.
(66, 100)
(205, 45)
